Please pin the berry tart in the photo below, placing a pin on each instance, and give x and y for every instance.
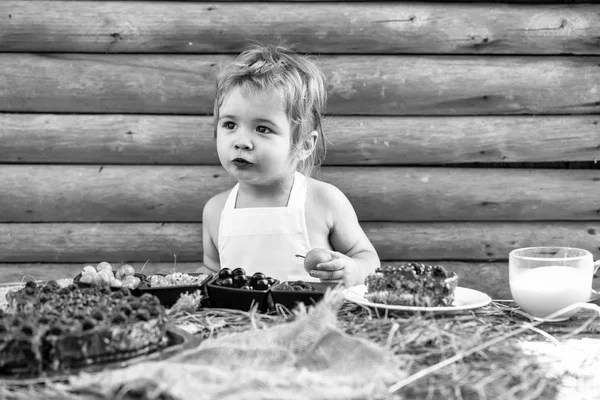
(47, 328)
(412, 284)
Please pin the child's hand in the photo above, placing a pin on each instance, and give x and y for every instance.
(331, 266)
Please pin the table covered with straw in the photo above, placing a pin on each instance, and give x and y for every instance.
(340, 350)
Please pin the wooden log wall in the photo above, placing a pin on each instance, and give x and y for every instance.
(459, 131)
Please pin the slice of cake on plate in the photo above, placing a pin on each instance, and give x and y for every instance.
(412, 284)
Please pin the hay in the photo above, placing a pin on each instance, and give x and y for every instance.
(491, 353)
(478, 355)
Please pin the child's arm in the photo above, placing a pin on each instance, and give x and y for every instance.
(211, 215)
(354, 257)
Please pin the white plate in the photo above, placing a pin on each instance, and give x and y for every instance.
(464, 299)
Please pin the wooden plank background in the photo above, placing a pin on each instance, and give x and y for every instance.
(52, 193)
(375, 140)
(357, 85)
(459, 130)
(326, 27)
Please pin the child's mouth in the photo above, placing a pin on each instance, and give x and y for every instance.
(241, 163)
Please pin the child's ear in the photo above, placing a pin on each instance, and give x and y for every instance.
(309, 145)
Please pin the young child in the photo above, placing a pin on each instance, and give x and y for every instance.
(268, 109)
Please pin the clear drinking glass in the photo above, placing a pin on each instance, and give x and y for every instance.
(544, 280)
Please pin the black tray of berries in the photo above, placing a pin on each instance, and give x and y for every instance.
(235, 289)
(290, 293)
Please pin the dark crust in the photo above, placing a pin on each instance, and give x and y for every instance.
(412, 284)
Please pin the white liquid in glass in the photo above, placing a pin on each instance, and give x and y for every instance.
(544, 290)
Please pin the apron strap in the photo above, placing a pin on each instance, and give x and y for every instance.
(231, 199)
(298, 193)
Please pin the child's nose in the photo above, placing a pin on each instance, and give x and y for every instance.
(243, 142)
(243, 146)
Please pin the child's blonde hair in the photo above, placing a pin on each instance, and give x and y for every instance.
(299, 81)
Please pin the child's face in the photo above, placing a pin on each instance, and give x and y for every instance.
(254, 137)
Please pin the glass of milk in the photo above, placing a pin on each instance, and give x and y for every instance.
(544, 280)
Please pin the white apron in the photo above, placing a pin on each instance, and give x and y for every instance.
(266, 239)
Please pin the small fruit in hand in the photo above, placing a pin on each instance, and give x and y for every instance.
(125, 270)
(316, 256)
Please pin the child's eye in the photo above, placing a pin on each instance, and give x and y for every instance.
(263, 129)
(228, 125)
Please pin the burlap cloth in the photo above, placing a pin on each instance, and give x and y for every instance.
(308, 358)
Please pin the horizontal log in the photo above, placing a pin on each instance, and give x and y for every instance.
(357, 85)
(188, 140)
(476, 241)
(182, 242)
(92, 243)
(42, 193)
(387, 28)
(107, 139)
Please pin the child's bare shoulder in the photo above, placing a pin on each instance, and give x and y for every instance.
(215, 204)
(325, 194)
